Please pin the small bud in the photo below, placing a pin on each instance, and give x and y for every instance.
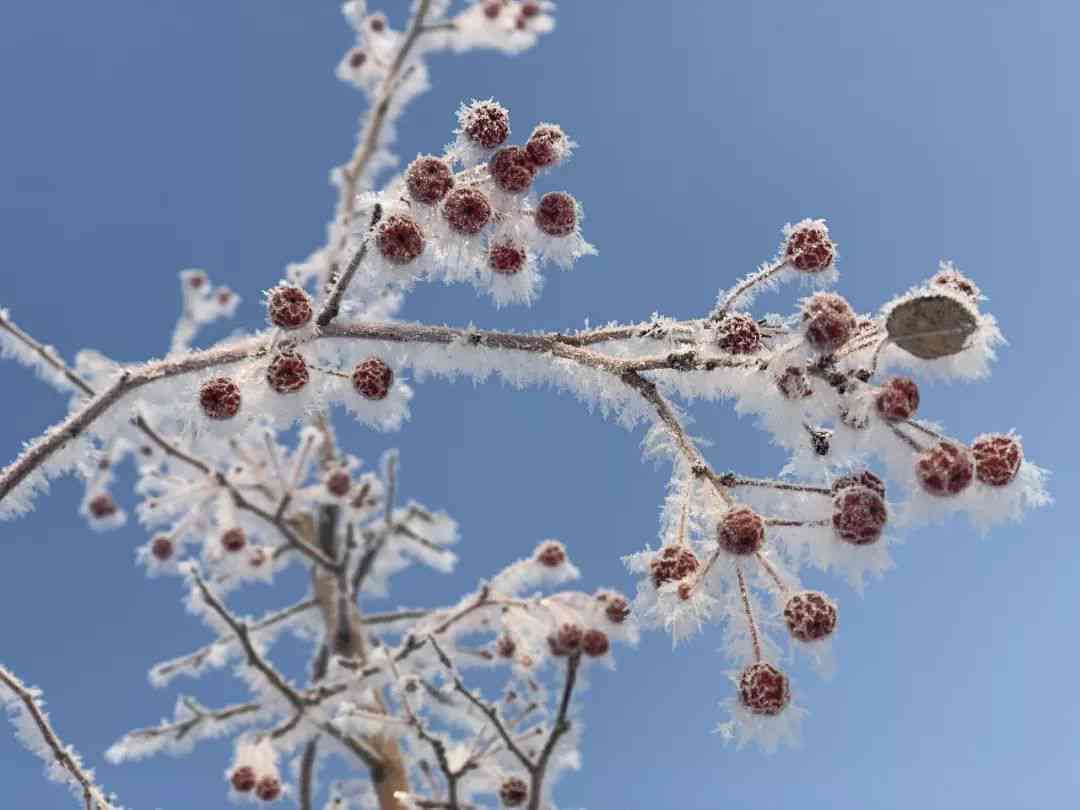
(566, 640)
(863, 478)
(372, 379)
(997, 459)
(220, 398)
(556, 215)
(739, 334)
(810, 615)
(467, 211)
(161, 548)
(946, 469)
(808, 247)
(512, 169)
(268, 788)
(740, 531)
(547, 145)
(486, 124)
(492, 9)
(595, 643)
(506, 258)
(859, 515)
(513, 792)
(898, 399)
(763, 689)
(794, 383)
(672, 563)
(829, 321)
(399, 239)
(243, 779)
(289, 307)
(102, 506)
(287, 372)
(428, 179)
(551, 555)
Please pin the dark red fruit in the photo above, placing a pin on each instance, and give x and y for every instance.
(898, 399)
(810, 615)
(289, 307)
(809, 249)
(512, 169)
(234, 540)
(162, 548)
(513, 792)
(506, 258)
(763, 689)
(467, 211)
(551, 555)
(829, 321)
(102, 506)
(997, 459)
(428, 179)
(287, 373)
(859, 515)
(372, 379)
(486, 125)
(946, 469)
(739, 334)
(243, 779)
(399, 239)
(595, 643)
(740, 531)
(220, 398)
(556, 215)
(672, 563)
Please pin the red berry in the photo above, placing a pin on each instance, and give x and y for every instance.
(794, 384)
(859, 515)
(289, 307)
(863, 478)
(491, 10)
(338, 483)
(829, 321)
(513, 792)
(224, 296)
(739, 334)
(357, 59)
(530, 9)
(287, 372)
(268, 788)
(399, 239)
(506, 258)
(740, 531)
(546, 145)
(377, 23)
(898, 399)
(486, 124)
(617, 610)
(566, 640)
(161, 548)
(810, 615)
(672, 563)
(196, 281)
(220, 398)
(234, 539)
(102, 506)
(512, 169)
(997, 459)
(428, 179)
(953, 279)
(763, 689)
(551, 555)
(372, 379)
(467, 210)
(243, 779)
(556, 215)
(505, 647)
(595, 643)
(809, 249)
(946, 469)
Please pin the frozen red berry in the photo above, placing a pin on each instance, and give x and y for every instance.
(566, 640)
(617, 610)
(530, 9)
(863, 478)
(428, 179)
(810, 615)
(466, 211)
(338, 482)
(898, 399)
(243, 779)
(506, 258)
(372, 379)
(951, 278)
(505, 646)
(595, 643)
(740, 531)
(512, 169)
(400, 240)
(738, 333)
(224, 296)
(556, 214)
(672, 563)
(859, 515)
(289, 307)
(357, 59)
(287, 372)
(808, 247)
(486, 124)
(794, 383)
(492, 9)
(547, 145)
(162, 548)
(233, 540)
(828, 321)
(102, 506)
(513, 792)
(268, 788)
(196, 280)
(551, 555)
(997, 459)
(377, 23)
(763, 689)
(946, 469)
(220, 398)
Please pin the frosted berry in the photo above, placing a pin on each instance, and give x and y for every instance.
(196, 281)
(338, 483)
(233, 540)
(551, 555)
(428, 179)
(739, 334)
(372, 379)
(617, 610)
(566, 640)
(740, 531)
(810, 615)
(467, 211)
(546, 146)
(491, 10)
(898, 399)
(243, 779)
(377, 23)
(486, 124)
(220, 398)
(595, 643)
(556, 215)
(289, 307)
(530, 10)
(287, 373)
(763, 689)
(506, 258)
(512, 169)
(357, 59)
(672, 563)
(505, 647)
(513, 792)
(102, 506)
(863, 478)
(953, 279)
(808, 247)
(829, 321)
(161, 548)
(946, 469)
(268, 788)
(794, 383)
(859, 515)
(399, 239)
(997, 459)
(224, 296)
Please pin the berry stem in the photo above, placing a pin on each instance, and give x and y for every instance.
(764, 274)
(754, 640)
(771, 571)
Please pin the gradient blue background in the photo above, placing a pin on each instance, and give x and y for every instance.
(139, 138)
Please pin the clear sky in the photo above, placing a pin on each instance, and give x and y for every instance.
(140, 138)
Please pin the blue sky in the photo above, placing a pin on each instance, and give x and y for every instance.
(143, 138)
